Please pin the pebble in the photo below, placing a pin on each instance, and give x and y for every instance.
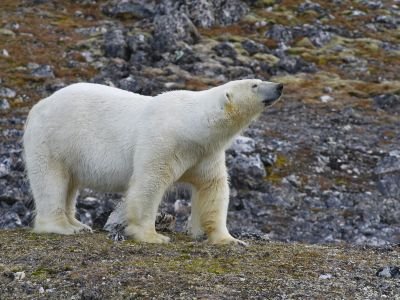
(389, 272)
(326, 98)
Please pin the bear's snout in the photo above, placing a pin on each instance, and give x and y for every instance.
(279, 88)
(270, 92)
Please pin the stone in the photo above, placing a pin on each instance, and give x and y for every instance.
(246, 171)
(326, 98)
(280, 34)
(242, 145)
(7, 92)
(4, 105)
(389, 272)
(292, 65)
(253, 47)
(115, 44)
(225, 49)
(388, 102)
(41, 71)
(206, 13)
(172, 31)
(390, 163)
(308, 5)
(129, 9)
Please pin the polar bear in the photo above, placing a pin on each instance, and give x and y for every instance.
(107, 139)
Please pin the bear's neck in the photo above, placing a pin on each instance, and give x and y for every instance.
(226, 123)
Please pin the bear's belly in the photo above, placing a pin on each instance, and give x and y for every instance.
(104, 174)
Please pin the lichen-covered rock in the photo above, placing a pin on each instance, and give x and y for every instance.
(128, 9)
(207, 13)
(115, 44)
(172, 31)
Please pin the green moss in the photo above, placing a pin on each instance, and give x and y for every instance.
(278, 170)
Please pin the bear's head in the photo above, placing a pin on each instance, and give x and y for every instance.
(245, 99)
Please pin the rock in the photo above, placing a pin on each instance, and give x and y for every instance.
(389, 272)
(5, 53)
(129, 9)
(292, 65)
(5, 167)
(206, 13)
(239, 72)
(139, 41)
(389, 185)
(388, 102)
(242, 145)
(115, 44)
(225, 49)
(7, 92)
(310, 6)
(325, 276)
(253, 47)
(326, 98)
(4, 105)
(389, 22)
(246, 171)
(280, 34)
(172, 31)
(373, 4)
(19, 275)
(9, 220)
(390, 163)
(41, 71)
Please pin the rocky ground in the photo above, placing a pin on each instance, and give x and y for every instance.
(321, 166)
(90, 266)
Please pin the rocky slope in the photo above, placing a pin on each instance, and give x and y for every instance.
(322, 166)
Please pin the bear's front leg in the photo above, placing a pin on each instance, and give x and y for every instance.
(210, 200)
(142, 200)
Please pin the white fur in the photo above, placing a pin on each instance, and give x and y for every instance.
(107, 139)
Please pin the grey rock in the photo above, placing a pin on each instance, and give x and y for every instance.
(225, 49)
(242, 145)
(128, 9)
(253, 47)
(130, 84)
(41, 71)
(7, 92)
(206, 13)
(246, 171)
(9, 220)
(390, 22)
(239, 72)
(373, 4)
(390, 163)
(389, 102)
(115, 44)
(172, 31)
(292, 65)
(5, 167)
(4, 105)
(308, 5)
(139, 42)
(389, 185)
(280, 34)
(319, 35)
(389, 272)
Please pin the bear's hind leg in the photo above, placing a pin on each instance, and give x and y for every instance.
(71, 209)
(49, 184)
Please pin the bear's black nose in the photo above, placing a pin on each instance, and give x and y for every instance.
(279, 87)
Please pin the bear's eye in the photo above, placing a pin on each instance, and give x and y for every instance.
(254, 86)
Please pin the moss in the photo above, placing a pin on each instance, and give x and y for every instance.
(278, 170)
